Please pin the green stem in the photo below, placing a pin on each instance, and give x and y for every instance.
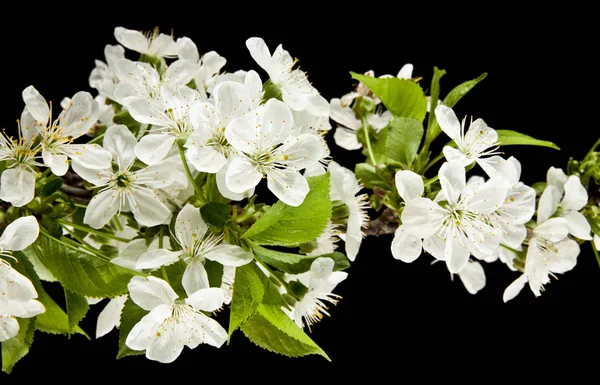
(279, 280)
(81, 205)
(189, 173)
(595, 252)
(73, 247)
(45, 173)
(96, 139)
(92, 231)
(591, 150)
(430, 181)
(365, 126)
(432, 162)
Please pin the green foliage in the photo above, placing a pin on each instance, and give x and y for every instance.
(284, 225)
(509, 137)
(81, 273)
(52, 185)
(271, 329)
(401, 97)
(296, 263)
(130, 316)
(215, 214)
(17, 347)
(77, 308)
(367, 175)
(403, 139)
(248, 292)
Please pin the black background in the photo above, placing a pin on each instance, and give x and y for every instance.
(395, 319)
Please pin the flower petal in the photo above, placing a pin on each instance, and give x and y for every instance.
(514, 288)
(300, 152)
(189, 227)
(58, 163)
(406, 247)
(241, 174)
(565, 257)
(448, 121)
(453, 180)
(110, 316)
(20, 233)
(579, 226)
(548, 203)
(209, 299)
(150, 292)
(120, 142)
(229, 255)
(134, 40)
(101, 209)
(346, 139)
(143, 333)
(152, 149)
(473, 277)
(456, 251)
(17, 186)
(194, 277)
(343, 114)
(89, 155)
(557, 178)
(80, 115)
(409, 184)
(205, 158)
(553, 230)
(287, 185)
(9, 327)
(226, 192)
(148, 209)
(576, 196)
(422, 218)
(259, 52)
(154, 259)
(36, 105)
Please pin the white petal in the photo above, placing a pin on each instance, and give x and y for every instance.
(179, 73)
(120, 142)
(143, 333)
(557, 178)
(189, 226)
(212, 332)
(514, 288)
(130, 253)
(89, 156)
(20, 233)
(205, 158)
(300, 152)
(576, 197)
(36, 105)
(354, 232)
(188, 49)
(17, 186)
(110, 316)
(57, 162)
(153, 259)
(457, 251)
(134, 40)
(226, 192)
(150, 292)
(259, 52)
(318, 105)
(453, 155)
(379, 121)
(579, 226)
(406, 247)
(80, 116)
(275, 122)
(346, 139)
(498, 166)
(488, 197)
(241, 133)
(168, 345)
(453, 180)
(148, 209)
(473, 277)
(160, 175)
(553, 230)
(241, 174)
(405, 72)
(101, 209)
(229, 255)
(422, 218)
(287, 185)
(153, 148)
(209, 299)
(164, 46)
(565, 257)
(194, 277)
(409, 184)
(435, 245)
(548, 203)
(9, 327)
(230, 101)
(448, 121)
(15, 286)
(342, 114)
(29, 127)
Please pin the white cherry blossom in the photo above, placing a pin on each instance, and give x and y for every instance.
(104, 77)
(173, 323)
(296, 90)
(125, 189)
(57, 137)
(320, 281)
(265, 147)
(150, 43)
(198, 244)
(17, 293)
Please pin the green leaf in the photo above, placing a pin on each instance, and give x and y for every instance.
(54, 320)
(402, 97)
(51, 186)
(17, 347)
(77, 308)
(296, 263)
(367, 175)
(403, 139)
(271, 329)
(214, 270)
(215, 214)
(125, 118)
(248, 291)
(450, 100)
(131, 315)
(434, 94)
(81, 273)
(284, 225)
(509, 137)
(461, 90)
